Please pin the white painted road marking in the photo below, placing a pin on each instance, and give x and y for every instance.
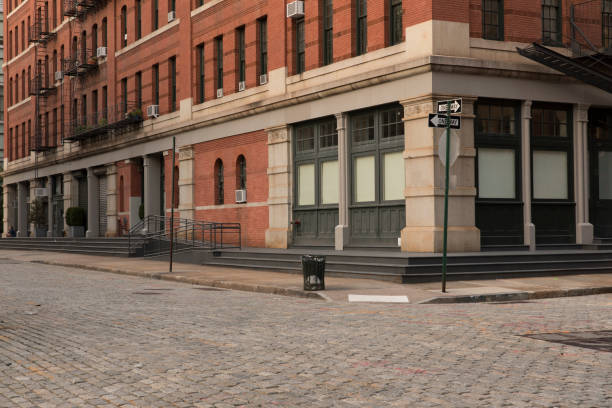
(379, 299)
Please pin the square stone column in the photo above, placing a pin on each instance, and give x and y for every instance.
(9, 219)
(50, 206)
(584, 229)
(186, 182)
(342, 229)
(93, 228)
(22, 210)
(152, 194)
(34, 184)
(112, 227)
(528, 226)
(278, 234)
(425, 178)
(70, 195)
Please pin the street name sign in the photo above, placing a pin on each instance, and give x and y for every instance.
(455, 106)
(440, 121)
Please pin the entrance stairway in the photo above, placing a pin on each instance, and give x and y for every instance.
(86, 246)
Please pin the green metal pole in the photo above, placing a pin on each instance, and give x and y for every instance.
(448, 119)
(172, 204)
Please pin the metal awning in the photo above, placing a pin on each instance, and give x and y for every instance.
(578, 68)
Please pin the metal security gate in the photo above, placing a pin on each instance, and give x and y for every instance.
(600, 149)
(102, 220)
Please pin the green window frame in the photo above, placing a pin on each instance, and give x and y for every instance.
(362, 27)
(551, 22)
(396, 26)
(219, 61)
(493, 20)
(300, 46)
(172, 68)
(328, 32)
(200, 62)
(263, 45)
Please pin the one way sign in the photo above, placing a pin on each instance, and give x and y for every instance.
(455, 106)
(439, 121)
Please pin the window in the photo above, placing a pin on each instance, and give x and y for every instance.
(84, 109)
(54, 122)
(606, 24)
(362, 27)
(54, 14)
(300, 46)
(139, 90)
(124, 99)
(121, 195)
(155, 14)
(104, 32)
(199, 3)
(123, 26)
(241, 54)
(94, 107)
(551, 22)
(219, 192)
(105, 103)
(23, 46)
(263, 46)
(241, 173)
(155, 84)
(219, 61)
(493, 19)
(200, 67)
(172, 73)
(172, 5)
(94, 39)
(328, 32)
(138, 18)
(61, 123)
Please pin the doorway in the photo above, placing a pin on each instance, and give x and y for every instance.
(600, 163)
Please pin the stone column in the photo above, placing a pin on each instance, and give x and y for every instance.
(342, 229)
(70, 195)
(93, 229)
(278, 234)
(22, 214)
(528, 227)
(186, 182)
(50, 206)
(152, 174)
(112, 227)
(584, 229)
(425, 178)
(9, 218)
(34, 184)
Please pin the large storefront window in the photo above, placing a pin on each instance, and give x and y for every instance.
(315, 213)
(553, 206)
(499, 211)
(377, 207)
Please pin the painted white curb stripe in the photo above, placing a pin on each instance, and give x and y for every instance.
(378, 299)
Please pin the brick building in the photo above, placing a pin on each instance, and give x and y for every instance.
(319, 112)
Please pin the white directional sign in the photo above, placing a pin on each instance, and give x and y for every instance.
(439, 121)
(455, 106)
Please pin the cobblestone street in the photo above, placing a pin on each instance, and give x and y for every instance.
(80, 338)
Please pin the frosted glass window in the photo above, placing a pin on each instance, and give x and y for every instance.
(306, 184)
(395, 176)
(550, 175)
(365, 179)
(605, 175)
(329, 182)
(496, 173)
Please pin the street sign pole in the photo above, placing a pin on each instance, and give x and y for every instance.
(447, 166)
(172, 203)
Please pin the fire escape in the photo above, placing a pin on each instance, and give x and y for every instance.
(81, 66)
(589, 48)
(41, 85)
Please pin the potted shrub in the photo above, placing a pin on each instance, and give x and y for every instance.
(75, 218)
(134, 114)
(38, 217)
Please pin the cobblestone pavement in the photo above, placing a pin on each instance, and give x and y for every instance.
(83, 338)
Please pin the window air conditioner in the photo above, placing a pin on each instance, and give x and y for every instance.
(153, 111)
(295, 9)
(59, 75)
(220, 93)
(241, 86)
(241, 196)
(263, 79)
(171, 16)
(101, 52)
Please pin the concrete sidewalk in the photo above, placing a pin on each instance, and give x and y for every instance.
(337, 289)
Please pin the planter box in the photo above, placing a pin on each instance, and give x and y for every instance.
(77, 232)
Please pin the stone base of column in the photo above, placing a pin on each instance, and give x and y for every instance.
(431, 239)
(278, 238)
(91, 234)
(22, 234)
(584, 233)
(530, 237)
(49, 234)
(341, 237)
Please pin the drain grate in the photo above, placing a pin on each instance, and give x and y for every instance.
(210, 289)
(595, 340)
(158, 289)
(146, 293)
(6, 261)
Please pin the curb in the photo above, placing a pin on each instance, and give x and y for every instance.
(271, 290)
(519, 296)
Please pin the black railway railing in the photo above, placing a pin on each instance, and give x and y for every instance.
(117, 117)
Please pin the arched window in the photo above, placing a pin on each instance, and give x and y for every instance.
(84, 47)
(23, 86)
(219, 192)
(29, 77)
(54, 63)
(16, 88)
(121, 195)
(94, 39)
(123, 26)
(241, 173)
(104, 32)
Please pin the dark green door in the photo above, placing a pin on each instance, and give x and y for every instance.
(600, 149)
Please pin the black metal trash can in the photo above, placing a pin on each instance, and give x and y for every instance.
(313, 268)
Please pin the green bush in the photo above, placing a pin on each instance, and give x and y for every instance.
(37, 215)
(75, 217)
(141, 211)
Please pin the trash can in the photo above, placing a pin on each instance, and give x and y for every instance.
(313, 268)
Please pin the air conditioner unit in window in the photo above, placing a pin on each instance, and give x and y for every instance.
(295, 9)
(59, 75)
(241, 196)
(171, 16)
(153, 111)
(101, 52)
(241, 86)
(263, 79)
(220, 93)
